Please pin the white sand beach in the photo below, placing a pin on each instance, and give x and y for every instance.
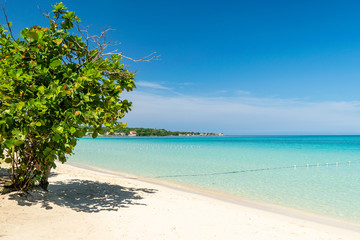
(87, 204)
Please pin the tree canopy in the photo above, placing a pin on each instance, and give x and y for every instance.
(53, 81)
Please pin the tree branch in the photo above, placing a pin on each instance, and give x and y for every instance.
(5, 180)
(148, 58)
(7, 21)
(102, 44)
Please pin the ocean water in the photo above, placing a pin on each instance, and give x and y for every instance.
(318, 174)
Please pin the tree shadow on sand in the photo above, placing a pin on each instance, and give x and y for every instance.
(83, 196)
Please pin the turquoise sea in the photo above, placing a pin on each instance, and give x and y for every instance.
(318, 174)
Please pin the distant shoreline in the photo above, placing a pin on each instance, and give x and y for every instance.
(113, 136)
(248, 135)
(132, 132)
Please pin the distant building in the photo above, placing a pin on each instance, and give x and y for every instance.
(132, 134)
(119, 134)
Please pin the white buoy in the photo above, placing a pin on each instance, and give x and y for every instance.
(349, 162)
(327, 164)
(307, 165)
(317, 165)
(337, 164)
(294, 166)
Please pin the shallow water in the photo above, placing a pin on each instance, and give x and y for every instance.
(325, 181)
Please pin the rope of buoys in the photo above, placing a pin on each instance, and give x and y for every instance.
(256, 170)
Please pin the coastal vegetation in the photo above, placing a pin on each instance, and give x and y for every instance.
(161, 132)
(53, 81)
(147, 132)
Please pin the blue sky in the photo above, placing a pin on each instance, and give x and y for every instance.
(238, 67)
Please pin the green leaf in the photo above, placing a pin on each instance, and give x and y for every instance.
(56, 138)
(73, 142)
(18, 142)
(47, 151)
(9, 143)
(60, 129)
(79, 133)
(41, 89)
(95, 134)
(72, 130)
(20, 105)
(59, 7)
(55, 62)
(19, 72)
(24, 33)
(33, 36)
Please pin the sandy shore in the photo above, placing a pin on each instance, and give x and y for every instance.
(86, 204)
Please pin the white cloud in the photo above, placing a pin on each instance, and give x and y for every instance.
(222, 91)
(242, 92)
(151, 85)
(186, 84)
(243, 115)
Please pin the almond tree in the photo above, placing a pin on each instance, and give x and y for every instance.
(53, 81)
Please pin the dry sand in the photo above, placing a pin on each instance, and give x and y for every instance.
(86, 204)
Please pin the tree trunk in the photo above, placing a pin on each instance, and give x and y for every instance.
(44, 183)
